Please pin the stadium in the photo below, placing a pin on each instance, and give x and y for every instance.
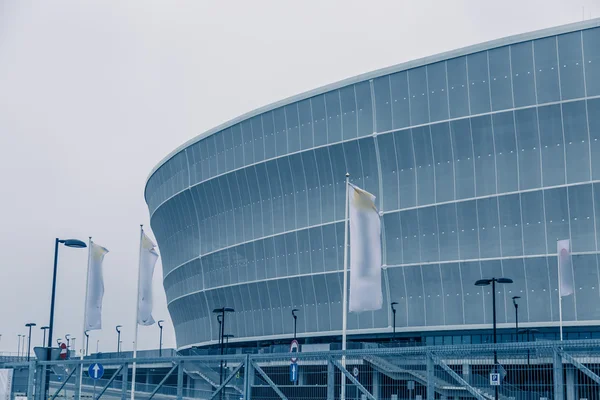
(480, 158)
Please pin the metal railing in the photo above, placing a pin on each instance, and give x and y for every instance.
(568, 370)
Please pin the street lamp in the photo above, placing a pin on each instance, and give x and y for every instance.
(394, 318)
(44, 328)
(74, 347)
(68, 337)
(221, 311)
(118, 329)
(294, 311)
(514, 299)
(29, 325)
(160, 322)
(486, 282)
(19, 347)
(219, 321)
(87, 342)
(23, 346)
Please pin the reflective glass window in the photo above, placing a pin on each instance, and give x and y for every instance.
(365, 108)
(485, 160)
(383, 103)
(406, 165)
(415, 294)
(515, 269)
(428, 230)
(434, 300)
(539, 294)
(570, 55)
(300, 190)
(326, 182)
(479, 82)
(268, 124)
(467, 230)
(593, 106)
(280, 255)
(304, 261)
(500, 78)
(334, 116)
(259, 258)
(248, 140)
(316, 249)
(322, 302)
(489, 231)
(557, 216)
(546, 70)
(506, 152)
(389, 171)
(419, 106)
(581, 211)
(591, 52)
(270, 258)
(534, 224)
(291, 246)
(255, 200)
(425, 169)
(473, 300)
(393, 239)
(309, 163)
(576, 141)
(585, 274)
(453, 296)
(289, 198)
(293, 127)
(528, 146)
(220, 152)
(349, 119)
(319, 117)
(258, 141)
(553, 153)
(266, 204)
(275, 187)
(447, 232)
(400, 100)
(330, 251)
(338, 165)
(229, 149)
(306, 126)
(458, 87)
(409, 224)
(438, 95)
(462, 148)
(250, 262)
(444, 162)
(369, 167)
(280, 131)
(521, 57)
(510, 225)
(354, 165)
(236, 200)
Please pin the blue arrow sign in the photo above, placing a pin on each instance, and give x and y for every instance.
(96, 371)
(293, 372)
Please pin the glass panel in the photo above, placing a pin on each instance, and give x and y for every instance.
(280, 131)
(514, 269)
(349, 119)
(220, 155)
(276, 197)
(425, 168)
(398, 294)
(257, 134)
(591, 51)
(416, 301)
(546, 74)
(300, 190)
(457, 87)
(309, 163)
(462, 147)
(534, 226)
(473, 300)
(539, 294)
(444, 162)
(438, 97)
(365, 108)
(583, 234)
(287, 187)
(506, 152)
(510, 225)
(270, 258)
(453, 294)
(521, 56)
(576, 139)
(389, 172)
(383, 103)
(400, 101)
(419, 106)
(593, 106)
(259, 258)
(316, 249)
(269, 134)
(248, 140)
(291, 246)
(557, 216)
(585, 272)
(467, 227)
(570, 55)
(319, 120)
(596, 194)
(528, 145)
(500, 78)
(393, 241)
(406, 165)
(485, 160)
(334, 117)
(255, 209)
(266, 204)
(306, 129)
(479, 85)
(434, 302)
(280, 256)
(322, 302)
(428, 230)
(338, 165)
(354, 166)
(409, 222)
(553, 153)
(293, 127)
(304, 261)
(330, 241)
(489, 231)
(447, 232)
(326, 184)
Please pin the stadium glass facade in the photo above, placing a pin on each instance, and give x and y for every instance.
(480, 159)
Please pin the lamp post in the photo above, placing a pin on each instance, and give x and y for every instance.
(77, 244)
(486, 282)
(87, 342)
(394, 318)
(29, 325)
(294, 311)
(226, 337)
(19, 346)
(514, 299)
(97, 345)
(68, 337)
(118, 329)
(221, 311)
(44, 328)
(219, 321)
(74, 347)
(160, 325)
(23, 346)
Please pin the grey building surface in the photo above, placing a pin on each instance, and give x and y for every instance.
(480, 158)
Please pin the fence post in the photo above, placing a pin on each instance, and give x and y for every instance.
(558, 375)
(248, 378)
(125, 383)
(180, 381)
(41, 382)
(77, 381)
(430, 377)
(30, 380)
(330, 380)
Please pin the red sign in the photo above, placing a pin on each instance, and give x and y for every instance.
(63, 351)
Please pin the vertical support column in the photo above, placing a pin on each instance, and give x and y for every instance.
(39, 380)
(147, 376)
(43, 376)
(180, 381)
(125, 381)
(30, 380)
(466, 372)
(248, 378)
(376, 383)
(330, 380)
(77, 381)
(571, 392)
(430, 378)
(558, 375)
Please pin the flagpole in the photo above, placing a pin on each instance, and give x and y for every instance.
(137, 310)
(345, 295)
(87, 282)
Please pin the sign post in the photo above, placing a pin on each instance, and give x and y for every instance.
(294, 349)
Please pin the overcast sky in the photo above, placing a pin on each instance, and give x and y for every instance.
(94, 93)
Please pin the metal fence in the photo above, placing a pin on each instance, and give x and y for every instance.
(567, 370)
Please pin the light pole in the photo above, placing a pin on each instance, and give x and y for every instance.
(118, 329)
(294, 311)
(23, 346)
(160, 325)
(97, 345)
(219, 321)
(44, 328)
(394, 319)
(226, 338)
(87, 342)
(19, 346)
(29, 325)
(68, 337)
(77, 244)
(486, 282)
(74, 347)
(514, 299)
(222, 312)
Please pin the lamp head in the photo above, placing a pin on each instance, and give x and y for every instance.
(78, 244)
(514, 299)
(118, 328)
(394, 303)
(483, 282)
(44, 328)
(31, 324)
(68, 336)
(294, 311)
(504, 280)
(160, 323)
(87, 333)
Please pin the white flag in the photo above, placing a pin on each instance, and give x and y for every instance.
(565, 270)
(95, 288)
(148, 258)
(6, 380)
(365, 252)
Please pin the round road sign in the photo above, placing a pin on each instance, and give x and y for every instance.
(63, 351)
(294, 348)
(355, 372)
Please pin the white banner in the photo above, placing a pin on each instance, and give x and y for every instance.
(148, 258)
(6, 378)
(365, 252)
(565, 269)
(95, 288)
